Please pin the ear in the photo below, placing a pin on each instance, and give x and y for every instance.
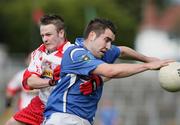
(92, 35)
(61, 33)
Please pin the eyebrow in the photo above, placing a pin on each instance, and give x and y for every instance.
(109, 39)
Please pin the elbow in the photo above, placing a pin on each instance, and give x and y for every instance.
(30, 83)
(25, 82)
(26, 85)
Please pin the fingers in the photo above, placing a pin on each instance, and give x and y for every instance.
(169, 60)
(56, 73)
(156, 65)
(86, 88)
(166, 62)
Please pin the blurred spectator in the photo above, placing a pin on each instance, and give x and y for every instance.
(108, 114)
(155, 35)
(14, 87)
(3, 60)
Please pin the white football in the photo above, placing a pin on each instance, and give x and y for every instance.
(169, 77)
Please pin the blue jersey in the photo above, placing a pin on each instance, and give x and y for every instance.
(76, 67)
(109, 57)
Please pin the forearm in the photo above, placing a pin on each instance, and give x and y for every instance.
(128, 53)
(120, 70)
(36, 82)
(126, 70)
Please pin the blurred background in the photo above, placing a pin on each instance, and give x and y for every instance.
(152, 27)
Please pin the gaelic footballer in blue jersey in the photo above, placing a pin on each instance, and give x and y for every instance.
(91, 58)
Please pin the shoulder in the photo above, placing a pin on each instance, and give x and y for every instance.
(38, 51)
(78, 53)
(112, 54)
(115, 48)
(74, 49)
(66, 45)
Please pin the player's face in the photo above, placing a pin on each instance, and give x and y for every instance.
(51, 37)
(102, 43)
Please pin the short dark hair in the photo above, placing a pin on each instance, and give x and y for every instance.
(54, 19)
(99, 25)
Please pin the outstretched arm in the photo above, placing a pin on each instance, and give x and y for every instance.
(125, 70)
(108, 71)
(128, 53)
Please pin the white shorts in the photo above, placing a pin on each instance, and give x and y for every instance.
(65, 119)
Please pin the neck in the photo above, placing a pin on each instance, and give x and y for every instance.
(86, 45)
(50, 51)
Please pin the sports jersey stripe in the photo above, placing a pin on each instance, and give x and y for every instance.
(72, 81)
(73, 51)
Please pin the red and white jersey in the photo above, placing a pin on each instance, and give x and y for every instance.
(43, 65)
(15, 86)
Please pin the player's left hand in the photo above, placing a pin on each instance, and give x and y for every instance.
(91, 85)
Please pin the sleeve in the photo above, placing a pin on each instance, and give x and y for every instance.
(26, 75)
(82, 62)
(33, 68)
(112, 54)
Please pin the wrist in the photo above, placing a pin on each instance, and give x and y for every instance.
(146, 66)
(51, 82)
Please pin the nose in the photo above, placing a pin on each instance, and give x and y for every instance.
(108, 45)
(44, 38)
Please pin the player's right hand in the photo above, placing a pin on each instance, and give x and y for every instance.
(156, 65)
(56, 73)
(88, 87)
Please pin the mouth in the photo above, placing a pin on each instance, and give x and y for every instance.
(47, 44)
(102, 53)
